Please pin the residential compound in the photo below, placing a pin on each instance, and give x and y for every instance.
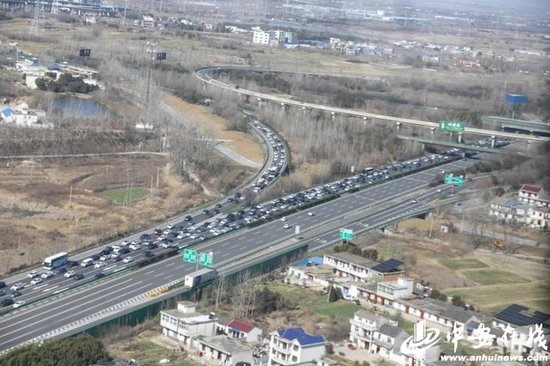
(383, 288)
(531, 208)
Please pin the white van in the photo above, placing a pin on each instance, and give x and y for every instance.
(87, 262)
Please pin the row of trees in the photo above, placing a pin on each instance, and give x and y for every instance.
(76, 351)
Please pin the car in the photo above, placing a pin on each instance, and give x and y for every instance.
(116, 258)
(72, 263)
(78, 276)
(99, 265)
(128, 259)
(105, 258)
(6, 302)
(286, 226)
(70, 274)
(414, 201)
(311, 213)
(283, 219)
(95, 257)
(439, 191)
(33, 274)
(135, 246)
(99, 275)
(16, 294)
(61, 270)
(151, 246)
(17, 286)
(36, 281)
(106, 251)
(47, 275)
(147, 254)
(2, 284)
(18, 304)
(2, 292)
(123, 251)
(218, 205)
(188, 218)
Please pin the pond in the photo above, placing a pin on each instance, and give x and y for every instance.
(72, 107)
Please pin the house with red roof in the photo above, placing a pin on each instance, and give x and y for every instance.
(243, 330)
(534, 195)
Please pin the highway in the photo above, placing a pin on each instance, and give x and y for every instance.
(204, 74)
(76, 305)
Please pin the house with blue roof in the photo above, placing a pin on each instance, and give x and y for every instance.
(292, 346)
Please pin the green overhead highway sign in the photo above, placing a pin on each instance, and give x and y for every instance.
(457, 180)
(346, 234)
(189, 255)
(451, 126)
(205, 259)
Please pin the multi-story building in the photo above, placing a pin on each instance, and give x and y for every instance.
(261, 37)
(293, 346)
(185, 324)
(534, 195)
(357, 268)
(363, 326)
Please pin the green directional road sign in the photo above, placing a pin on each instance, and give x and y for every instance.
(457, 180)
(346, 234)
(189, 255)
(451, 126)
(205, 259)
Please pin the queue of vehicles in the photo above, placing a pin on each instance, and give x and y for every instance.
(188, 232)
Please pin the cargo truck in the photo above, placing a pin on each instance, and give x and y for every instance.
(199, 277)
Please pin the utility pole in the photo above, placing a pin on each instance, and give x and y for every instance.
(124, 16)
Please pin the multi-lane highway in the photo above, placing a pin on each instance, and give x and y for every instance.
(362, 208)
(205, 75)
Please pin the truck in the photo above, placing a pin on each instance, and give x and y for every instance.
(199, 277)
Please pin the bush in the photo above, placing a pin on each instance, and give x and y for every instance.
(76, 351)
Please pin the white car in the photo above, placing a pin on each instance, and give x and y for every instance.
(47, 275)
(36, 281)
(283, 219)
(17, 286)
(33, 274)
(104, 258)
(18, 304)
(135, 246)
(99, 265)
(310, 213)
(128, 259)
(286, 226)
(70, 274)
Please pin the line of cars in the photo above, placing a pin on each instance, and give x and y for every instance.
(279, 159)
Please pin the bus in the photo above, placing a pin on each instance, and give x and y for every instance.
(54, 261)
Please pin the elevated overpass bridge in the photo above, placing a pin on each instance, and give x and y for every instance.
(206, 76)
(538, 128)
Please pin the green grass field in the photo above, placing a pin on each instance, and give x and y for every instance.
(309, 299)
(458, 264)
(493, 277)
(491, 298)
(125, 196)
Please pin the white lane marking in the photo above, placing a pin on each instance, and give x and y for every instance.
(63, 289)
(51, 288)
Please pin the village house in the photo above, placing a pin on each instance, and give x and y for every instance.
(223, 350)
(292, 346)
(185, 324)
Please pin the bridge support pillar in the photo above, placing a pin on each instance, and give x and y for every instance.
(259, 102)
(365, 121)
(432, 132)
(398, 126)
(247, 99)
(493, 141)
(333, 114)
(304, 110)
(283, 106)
(460, 137)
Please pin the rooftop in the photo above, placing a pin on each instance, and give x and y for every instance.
(442, 309)
(224, 344)
(240, 326)
(353, 258)
(313, 261)
(188, 317)
(391, 331)
(363, 313)
(303, 338)
(531, 188)
(519, 315)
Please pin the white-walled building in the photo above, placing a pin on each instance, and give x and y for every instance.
(534, 195)
(357, 268)
(243, 330)
(293, 345)
(185, 324)
(223, 350)
(261, 37)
